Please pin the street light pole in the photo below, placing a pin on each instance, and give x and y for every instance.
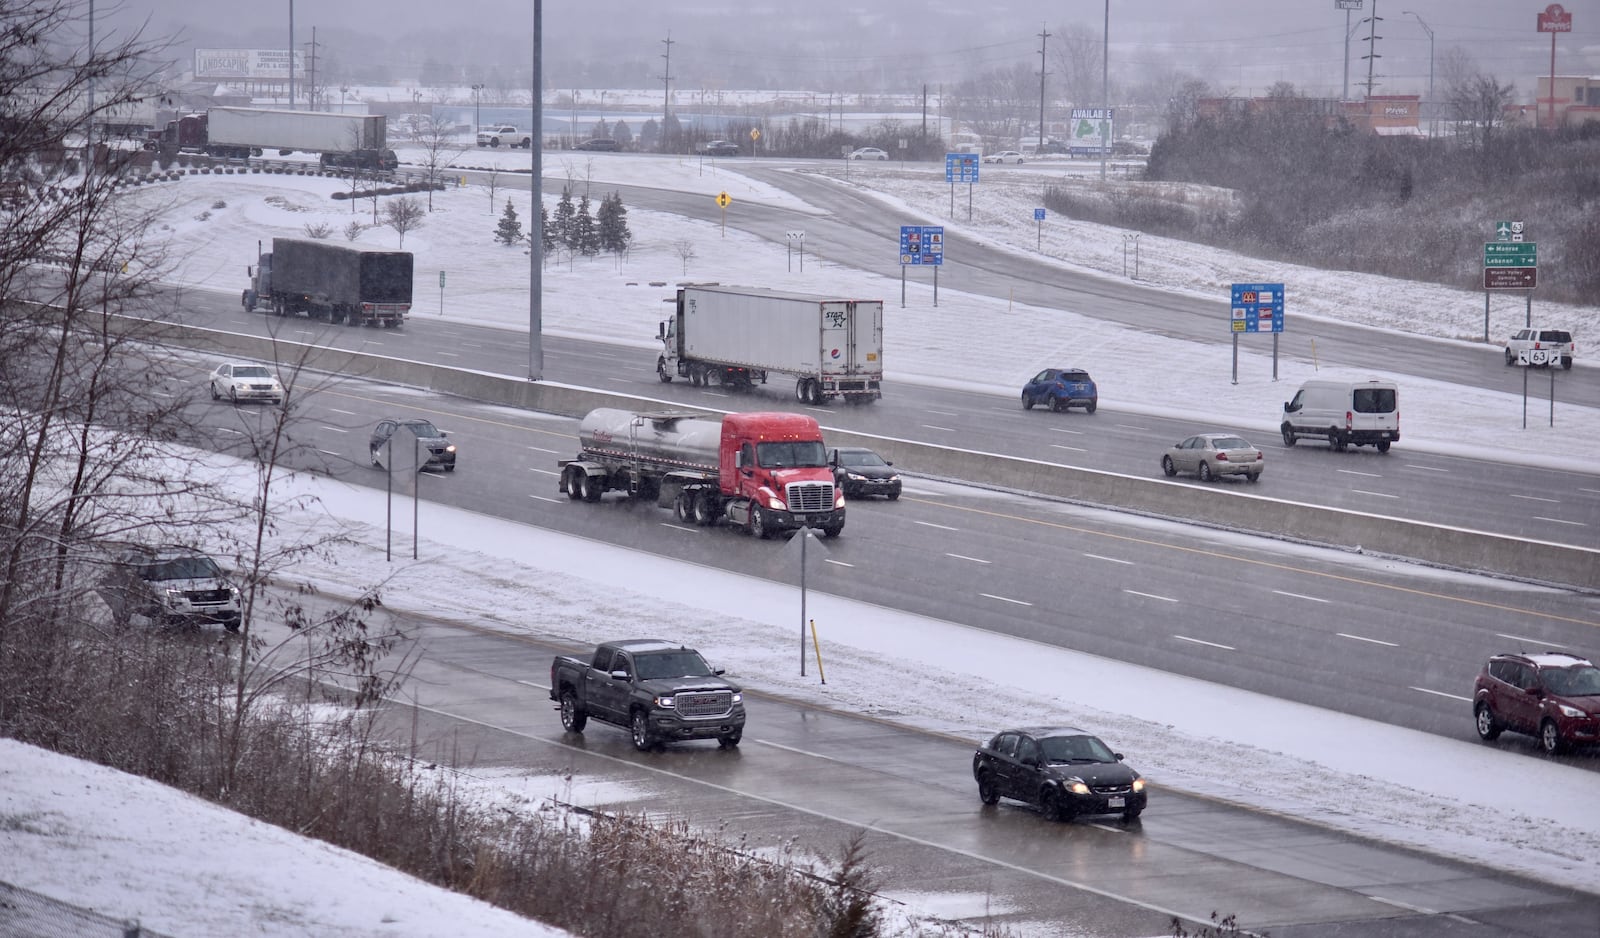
(1433, 109)
(1105, 90)
(477, 107)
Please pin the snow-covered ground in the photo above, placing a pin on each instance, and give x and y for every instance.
(610, 300)
(128, 848)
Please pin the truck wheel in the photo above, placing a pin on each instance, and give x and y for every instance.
(1288, 434)
(640, 726)
(731, 740)
(573, 719)
(705, 513)
(1336, 440)
(680, 508)
(494, 141)
(569, 483)
(661, 371)
(832, 530)
(589, 487)
(800, 390)
(758, 523)
(1383, 446)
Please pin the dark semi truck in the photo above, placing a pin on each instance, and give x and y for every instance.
(328, 281)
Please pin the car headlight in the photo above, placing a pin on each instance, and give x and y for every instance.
(1079, 788)
(855, 476)
(666, 703)
(775, 503)
(738, 698)
(1138, 784)
(895, 477)
(451, 448)
(1567, 711)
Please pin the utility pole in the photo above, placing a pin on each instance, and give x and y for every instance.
(1432, 108)
(311, 68)
(666, 89)
(1044, 37)
(291, 55)
(1372, 55)
(1105, 90)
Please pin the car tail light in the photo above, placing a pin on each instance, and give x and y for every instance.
(1260, 456)
(1349, 420)
(1222, 457)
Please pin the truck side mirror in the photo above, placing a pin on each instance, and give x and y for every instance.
(249, 271)
(661, 330)
(619, 675)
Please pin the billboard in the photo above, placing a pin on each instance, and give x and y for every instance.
(266, 64)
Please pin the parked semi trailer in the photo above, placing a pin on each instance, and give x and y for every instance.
(739, 336)
(765, 472)
(329, 281)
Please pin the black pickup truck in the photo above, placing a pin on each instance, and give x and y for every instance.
(658, 690)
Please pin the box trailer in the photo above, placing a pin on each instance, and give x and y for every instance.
(333, 282)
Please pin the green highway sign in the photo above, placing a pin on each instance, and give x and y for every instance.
(1511, 254)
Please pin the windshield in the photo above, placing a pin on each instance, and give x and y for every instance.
(251, 371)
(1081, 749)
(1573, 682)
(863, 458)
(422, 428)
(671, 664)
(181, 568)
(1230, 442)
(801, 454)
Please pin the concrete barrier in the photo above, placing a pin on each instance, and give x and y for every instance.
(1439, 545)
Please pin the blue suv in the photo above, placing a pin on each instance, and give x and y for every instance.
(1061, 388)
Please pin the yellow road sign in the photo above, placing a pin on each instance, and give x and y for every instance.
(723, 200)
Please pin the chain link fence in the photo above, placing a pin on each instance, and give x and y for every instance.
(27, 914)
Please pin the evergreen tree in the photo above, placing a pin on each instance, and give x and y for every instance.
(648, 135)
(510, 230)
(613, 223)
(585, 236)
(547, 237)
(622, 133)
(561, 225)
(599, 130)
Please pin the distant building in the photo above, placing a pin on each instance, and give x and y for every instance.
(1389, 115)
(1576, 102)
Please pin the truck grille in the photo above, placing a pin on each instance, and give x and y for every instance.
(208, 597)
(810, 496)
(714, 703)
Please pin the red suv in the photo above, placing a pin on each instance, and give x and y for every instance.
(1554, 696)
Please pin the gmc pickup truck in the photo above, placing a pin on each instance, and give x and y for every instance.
(657, 690)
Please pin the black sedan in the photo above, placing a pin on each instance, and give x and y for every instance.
(1066, 772)
(858, 471)
(433, 447)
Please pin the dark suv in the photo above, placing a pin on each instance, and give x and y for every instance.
(169, 586)
(1061, 388)
(1553, 696)
(599, 145)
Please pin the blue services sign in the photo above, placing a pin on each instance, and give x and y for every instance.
(1038, 214)
(961, 167)
(1257, 307)
(922, 245)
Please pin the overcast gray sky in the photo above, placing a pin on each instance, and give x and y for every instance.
(1239, 45)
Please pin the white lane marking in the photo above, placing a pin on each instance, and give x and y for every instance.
(541, 449)
(335, 429)
(1064, 430)
(1004, 599)
(1201, 641)
(929, 426)
(707, 393)
(347, 413)
(439, 351)
(1165, 599)
(1314, 599)
(1374, 494)
(1536, 498)
(1404, 905)
(678, 527)
(944, 413)
(548, 472)
(329, 452)
(1129, 426)
(1530, 641)
(543, 498)
(1363, 638)
(964, 557)
(231, 430)
(1590, 491)
(1075, 449)
(1440, 693)
(1110, 559)
(837, 563)
(1354, 472)
(1426, 468)
(1560, 521)
(930, 524)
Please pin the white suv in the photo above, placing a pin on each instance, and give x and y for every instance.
(1553, 343)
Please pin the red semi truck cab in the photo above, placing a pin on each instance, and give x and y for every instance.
(778, 462)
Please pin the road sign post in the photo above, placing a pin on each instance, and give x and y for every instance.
(722, 202)
(1256, 307)
(797, 238)
(961, 167)
(1038, 230)
(921, 246)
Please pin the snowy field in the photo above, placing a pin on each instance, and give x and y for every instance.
(131, 849)
(610, 300)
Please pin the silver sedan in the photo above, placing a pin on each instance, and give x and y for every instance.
(1210, 455)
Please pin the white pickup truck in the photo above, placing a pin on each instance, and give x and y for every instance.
(504, 135)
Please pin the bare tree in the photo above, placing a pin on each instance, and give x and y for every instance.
(403, 214)
(1075, 57)
(439, 148)
(491, 184)
(685, 251)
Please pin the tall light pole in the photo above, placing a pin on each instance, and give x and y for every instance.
(344, 92)
(536, 225)
(1347, 6)
(1105, 90)
(1044, 37)
(291, 55)
(1431, 108)
(477, 106)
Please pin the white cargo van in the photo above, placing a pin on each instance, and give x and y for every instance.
(1345, 413)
